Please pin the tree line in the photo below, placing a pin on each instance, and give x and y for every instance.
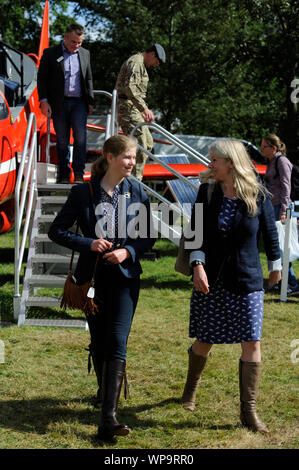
(231, 68)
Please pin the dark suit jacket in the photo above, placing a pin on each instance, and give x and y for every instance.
(81, 207)
(236, 257)
(51, 76)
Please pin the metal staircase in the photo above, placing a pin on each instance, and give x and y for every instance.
(47, 262)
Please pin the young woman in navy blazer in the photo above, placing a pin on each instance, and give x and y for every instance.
(227, 298)
(105, 229)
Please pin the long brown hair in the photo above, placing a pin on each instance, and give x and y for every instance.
(274, 141)
(115, 145)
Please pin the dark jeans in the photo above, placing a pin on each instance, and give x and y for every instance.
(110, 327)
(72, 115)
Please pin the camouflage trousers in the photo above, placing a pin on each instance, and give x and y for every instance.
(129, 117)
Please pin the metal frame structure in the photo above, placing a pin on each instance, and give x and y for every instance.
(28, 170)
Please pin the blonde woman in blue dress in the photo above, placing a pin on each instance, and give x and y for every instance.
(227, 297)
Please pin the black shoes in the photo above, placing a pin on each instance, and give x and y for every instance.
(113, 377)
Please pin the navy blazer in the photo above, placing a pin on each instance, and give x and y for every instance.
(235, 256)
(51, 76)
(80, 207)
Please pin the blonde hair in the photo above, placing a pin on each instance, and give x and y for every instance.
(245, 179)
(115, 145)
(274, 141)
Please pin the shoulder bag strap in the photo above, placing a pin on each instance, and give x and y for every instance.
(98, 255)
(73, 252)
(77, 230)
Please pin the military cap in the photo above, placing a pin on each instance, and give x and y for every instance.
(160, 53)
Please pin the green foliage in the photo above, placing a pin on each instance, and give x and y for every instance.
(21, 28)
(227, 72)
(229, 64)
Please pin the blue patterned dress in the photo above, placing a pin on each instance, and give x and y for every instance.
(222, 317)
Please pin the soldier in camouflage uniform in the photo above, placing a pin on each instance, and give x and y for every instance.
(131, 87)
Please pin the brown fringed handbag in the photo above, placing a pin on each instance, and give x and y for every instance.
(79, 297)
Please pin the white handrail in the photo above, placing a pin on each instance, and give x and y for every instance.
(29, 172)
(112, 121)
(286, 255)
(103, 92)
(108, 127)
(160, 160)
(172, 205)
(178, 142)
(48, 145)
(114, 115)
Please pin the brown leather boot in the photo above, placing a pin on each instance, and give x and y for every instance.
(196, 366)
(249, 373)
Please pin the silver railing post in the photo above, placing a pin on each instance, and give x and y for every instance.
(112, 117)
(175, 140)
(286, 257)
(48, 141)
(21, 189)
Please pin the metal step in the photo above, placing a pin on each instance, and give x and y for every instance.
(43, 302)
(54, 187)
(61, 323)
(53, 199)
(46, 280)
(46, 218)
(52, 258)
(42, 237)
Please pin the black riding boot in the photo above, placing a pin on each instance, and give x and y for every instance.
(113, 377)
(98, 368)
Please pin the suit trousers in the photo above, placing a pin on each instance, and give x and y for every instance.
(116, 296)
(71, 115)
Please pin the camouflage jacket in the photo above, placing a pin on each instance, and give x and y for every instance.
(132, 81)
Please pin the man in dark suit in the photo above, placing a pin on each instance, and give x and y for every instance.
(65, 90)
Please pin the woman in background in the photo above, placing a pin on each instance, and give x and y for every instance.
(278, 183)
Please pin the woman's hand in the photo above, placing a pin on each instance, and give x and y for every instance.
(274, 278)
(117, 256)
(100, 245)
(282, 218)
(200, 280)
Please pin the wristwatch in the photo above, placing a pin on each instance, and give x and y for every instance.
(196, 262)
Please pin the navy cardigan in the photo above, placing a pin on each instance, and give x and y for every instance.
(235, 256)
(80, 207)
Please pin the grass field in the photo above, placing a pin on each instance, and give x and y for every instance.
(46, 392)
